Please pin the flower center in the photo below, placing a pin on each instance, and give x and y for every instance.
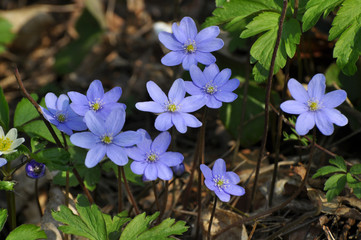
(107, 139)
(152, 157)
(190, 46)
(61, 117)
(5, 143)
(220, 182)
(171, 107)
(210, 88)
(97, 105)
(313, 105)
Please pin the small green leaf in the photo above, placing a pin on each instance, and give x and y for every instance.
(6, 35)
(38, 128)
(28, 232)
(4, 109)
(325, 170)
(356, 169)
(114, 226)
(357, 192)
(25, 111)
(164, 230)
(7, 185)
(137, 226)
(352, 182)
(335, 181)
(3, 217)
(53, 158)
(339, 162)
(37, 144)
(219, 3)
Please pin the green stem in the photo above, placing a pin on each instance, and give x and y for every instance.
(10, 198)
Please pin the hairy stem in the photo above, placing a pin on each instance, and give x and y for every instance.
(130, 195)
(120, 192)
(81, 183)
(211, 219)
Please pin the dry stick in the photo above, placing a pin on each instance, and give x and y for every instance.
(130, 195)
(282, 205)
(37, 197)
(253, 230)
(267, 102)
(165, 199)
(156, 195)
(211, 220)
(67, 174)
(120, 195)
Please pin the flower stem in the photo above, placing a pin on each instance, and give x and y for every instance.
(267, 103)
(120, 192)
(10, 198)
(130, 195)
(81, 183)
(211, 219)
(37, 198)
(156, 195)
(67, 188)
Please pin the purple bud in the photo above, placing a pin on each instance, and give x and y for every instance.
(178, 170)
(34, 169)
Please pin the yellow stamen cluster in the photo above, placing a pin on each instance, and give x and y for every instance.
(61, 118)
(152, 157)
(190, 47)
(107, 139)
(210, 88)
(95, 106)
(313, 105)
(5, 144)
(172, 107)
(220, 182)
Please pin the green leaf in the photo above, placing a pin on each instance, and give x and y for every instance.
(335, 185)
(7, 185)
(38, 129)
(37, 144)
(137, 226)
(4, 109)
(352, 182)
(28, 232)
(314, 10)
(326, 170)
(356, 169)
(6, 36)
(25, 111)
(357, 192)
(219, 3)
(89, 223)
(347, 26)
(166, 228)
(53, 158)
(131, 177)
(3, 217)
(339, 162)
(60, 179)
(114, 226)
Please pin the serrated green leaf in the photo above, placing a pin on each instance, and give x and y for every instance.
(162, 231)
(25, 111)
(53, 158)
(89, 223)
(4, 111)
(28, 232)
(137, 226)
(335, 181)
(257, 25)
(314, 10)
(114, 226)
(3, 217)
(356, 169)
(352, 182)
(326, 170)
(291, 36)
(357, 192)
(38, 129)
(219, 3)
(339, 162)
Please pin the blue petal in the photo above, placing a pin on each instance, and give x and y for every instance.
(323, 123)
(223, 196)
(156, 93)
(222, 77)
(84, 139)
(334, 99)
(78, 98)
(207, 34)
(232, 177)
(173, 58)
(192, 89)
(164, 172)
(115, 121)
(219, 167)
(65, 129)
(95, 155)
(113, 95)
(230, 85)
(210, 184)
(188, 61)
(150, 106)
(136, 154)
(204, 57)
(146, 142)
(163, 122)
(335, 116)
(197, 76)
(188, 27)
(49, 116)
(225, 96)
(294, 107)
(213, 102)
(211, 71)
(179, 122)
(170, 42)
(171, 159)
(177, 91)
(192, 103)
(138, 167)
(127, 139)
(207, 172)
(2, 162)
(63, 102)
(210, 45)
(235, 190)
(117, 154)
(297, 91)
(95, 124)
(80, 109)
(190, 120)
(95, 91)
(305, 122)
(317, 87)
(178, 34)
(50, 101)
(161, 143)
(151, 172)
(76, 123)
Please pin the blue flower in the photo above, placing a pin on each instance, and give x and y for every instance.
(34, 169)
(96, 100)
(61, 115)
(314, 106)
(174, 109)
(2, 161)
(221, 182)
(105, 138)
(178, 170)
(188, 46)
(152, 159)
(215, 86)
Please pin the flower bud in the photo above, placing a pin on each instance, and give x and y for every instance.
(34, 169)
(178, 170)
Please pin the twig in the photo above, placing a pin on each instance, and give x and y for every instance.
(130, 195)
(253, 229)
(81, 183)
(156, 195)
(211, 219)
(120, 192)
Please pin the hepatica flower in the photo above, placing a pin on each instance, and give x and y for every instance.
(105, 138)
(188, 46)
(96, 100)
(174, 109)
(314, 106)
(9, 142)
(61, 115)
(34, 169)
(221, 182)
(152, 159)
(215, 86)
